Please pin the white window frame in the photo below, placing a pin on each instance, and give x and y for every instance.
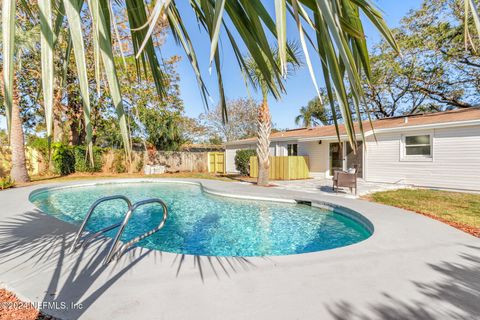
(293, 143)
(403, 147)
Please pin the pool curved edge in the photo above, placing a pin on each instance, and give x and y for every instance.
(336, 208)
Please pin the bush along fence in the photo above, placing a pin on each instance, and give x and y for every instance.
(67, 159)
(242, 160)
(72, 159)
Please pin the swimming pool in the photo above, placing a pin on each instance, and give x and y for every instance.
(203, 224)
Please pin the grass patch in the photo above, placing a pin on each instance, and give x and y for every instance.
(455, 207)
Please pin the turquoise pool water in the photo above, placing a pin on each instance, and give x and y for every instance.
(203, 224)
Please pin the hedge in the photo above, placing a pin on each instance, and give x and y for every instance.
(242, 160)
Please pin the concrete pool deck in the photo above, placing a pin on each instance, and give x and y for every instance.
(412, 267)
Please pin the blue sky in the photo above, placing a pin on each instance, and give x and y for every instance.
(299, 86)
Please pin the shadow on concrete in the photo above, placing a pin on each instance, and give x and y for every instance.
(34, 243)
(342, 191)
(329, 189)
(456, 296)
(218, 266)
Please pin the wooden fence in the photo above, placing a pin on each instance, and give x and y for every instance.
(283, 168)
(180, 161)
(35, 162)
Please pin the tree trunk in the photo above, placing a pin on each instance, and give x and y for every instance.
(57, 114)
(74, 131)
(19, 171)
(263, 143)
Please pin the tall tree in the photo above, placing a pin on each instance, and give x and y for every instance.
(194, 131)
(26, 44)
(264, 118)
(436, 70)
(242, 120)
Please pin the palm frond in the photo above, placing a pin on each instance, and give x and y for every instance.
(470, 7)
(336, 24)
(100, 14)
(216, 23)
(47, 43)
(72, 11)
(8, 33)
(137, 17)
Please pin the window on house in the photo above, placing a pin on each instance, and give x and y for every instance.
(292, 149)
(418, 145)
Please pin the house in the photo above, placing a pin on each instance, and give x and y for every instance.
(432, 150)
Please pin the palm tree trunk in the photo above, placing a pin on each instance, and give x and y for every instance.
(19, 171)
(263, 143)
(57, 114)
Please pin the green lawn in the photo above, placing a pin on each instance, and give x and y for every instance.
(456, 207)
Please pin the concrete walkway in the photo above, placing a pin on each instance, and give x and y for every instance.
(412, 267)
(324, 187)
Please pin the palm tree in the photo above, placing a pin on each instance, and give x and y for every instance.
(316, 113)
(261, 83)
(305, 117)
(333, 28)
(26, 44)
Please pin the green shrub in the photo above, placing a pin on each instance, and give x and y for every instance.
(63, 159)
(67, 159)
(118, 164)
(41, 145)
(82, 162)
(140, 164)
(242, 160)
(6, 183)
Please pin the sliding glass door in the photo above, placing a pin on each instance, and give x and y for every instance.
(354, 159)
(336, 157)
(342, 157)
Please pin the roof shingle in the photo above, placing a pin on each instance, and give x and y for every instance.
(387, 123)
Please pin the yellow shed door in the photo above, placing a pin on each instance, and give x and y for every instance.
(216, 162)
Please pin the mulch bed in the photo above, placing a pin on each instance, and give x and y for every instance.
(12, 308)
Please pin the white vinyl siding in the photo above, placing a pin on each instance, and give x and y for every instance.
(317, 156)
(455, 160)
(280, 149)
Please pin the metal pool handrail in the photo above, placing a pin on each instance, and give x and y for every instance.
(113, 251)
(87, 217)
(118, 252)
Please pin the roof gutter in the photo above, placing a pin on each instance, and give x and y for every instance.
(333, 138)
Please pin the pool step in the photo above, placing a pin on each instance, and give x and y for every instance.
(307, 203)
